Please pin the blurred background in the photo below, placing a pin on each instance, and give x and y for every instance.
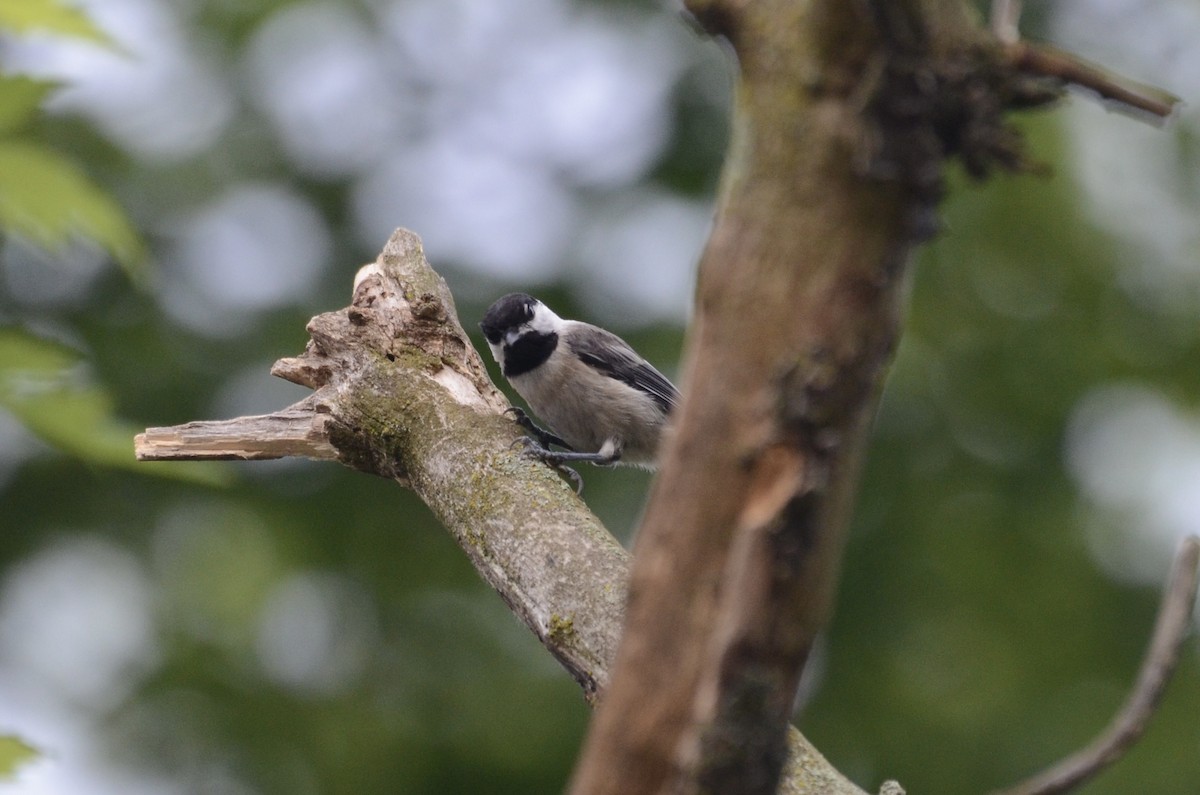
(185, 183)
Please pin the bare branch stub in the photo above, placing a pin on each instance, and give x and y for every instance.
(297, 431)
(1006, 19)
(1044, 61)
(1170, 630)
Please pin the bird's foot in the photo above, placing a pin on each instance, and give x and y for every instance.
(545, 437)
(555, 459)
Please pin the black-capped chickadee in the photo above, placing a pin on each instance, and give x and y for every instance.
(602, 401)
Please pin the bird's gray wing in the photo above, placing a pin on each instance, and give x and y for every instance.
(612, 356)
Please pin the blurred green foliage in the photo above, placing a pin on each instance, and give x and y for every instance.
(43, 195)
(975, 640)
(46, 199)
(13, 753)
(45, 386)
(48, 16)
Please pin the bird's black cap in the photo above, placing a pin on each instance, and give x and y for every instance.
(508, 312)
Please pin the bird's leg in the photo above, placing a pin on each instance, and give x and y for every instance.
(545, 437)
(608, 455)
(557, 458)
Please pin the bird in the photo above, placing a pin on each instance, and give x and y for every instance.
(603, 403)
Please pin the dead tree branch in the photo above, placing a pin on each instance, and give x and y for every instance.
(401, 393)
(1125, 94)
(1128, 725)
(298, 431)
(1045, 61)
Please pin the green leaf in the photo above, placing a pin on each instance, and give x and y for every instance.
(44, 198)
(20, 98)
(23, 352)
(42, 385)
(14, 752)
(49, 16)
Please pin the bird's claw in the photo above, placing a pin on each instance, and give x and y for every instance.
(524, 441)
(544, 437)
(519, 415)
(537, 452)
(573, 476)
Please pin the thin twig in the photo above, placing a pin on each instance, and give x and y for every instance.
(1046, 61)
(1170, 630)
(1006, 19)
(1043, 61)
